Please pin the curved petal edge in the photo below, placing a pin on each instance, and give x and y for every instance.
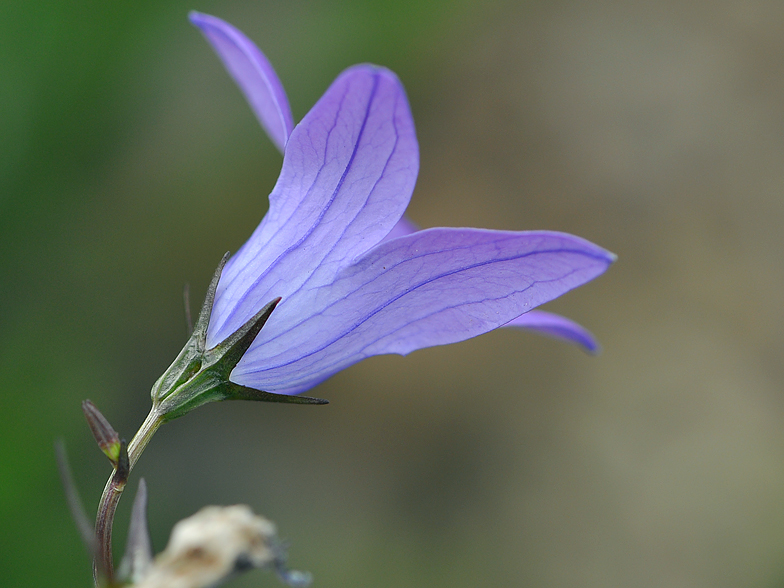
(557, 327)
(253, 73)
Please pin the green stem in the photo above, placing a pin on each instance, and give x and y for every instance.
(103, 565)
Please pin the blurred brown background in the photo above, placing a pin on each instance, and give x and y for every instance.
(129, 163)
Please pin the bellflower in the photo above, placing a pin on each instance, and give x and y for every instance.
(334, 273)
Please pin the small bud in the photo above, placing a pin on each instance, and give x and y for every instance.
(105, 435)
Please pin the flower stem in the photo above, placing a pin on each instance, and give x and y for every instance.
(103, 566)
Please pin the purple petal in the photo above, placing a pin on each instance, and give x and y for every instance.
(553, 325)
(253, 74)
(348, 173)
(432, 287)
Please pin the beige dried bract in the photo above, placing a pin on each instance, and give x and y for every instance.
(210, 546)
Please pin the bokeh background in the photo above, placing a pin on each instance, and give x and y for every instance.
(129, 163)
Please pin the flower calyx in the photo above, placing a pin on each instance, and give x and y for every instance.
(200, 375)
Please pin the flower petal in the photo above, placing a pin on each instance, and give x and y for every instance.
(347, 176)
(559, 327)
(253, 73)
(537, 321)
(431, 287)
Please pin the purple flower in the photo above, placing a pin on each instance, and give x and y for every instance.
(355, 278)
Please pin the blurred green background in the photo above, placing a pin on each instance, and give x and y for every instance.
(129, 163)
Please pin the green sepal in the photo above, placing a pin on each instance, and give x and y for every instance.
(203, 322)
(238, 392)
(205, 387)
(190, 360)
(201, 375)
(230, 351)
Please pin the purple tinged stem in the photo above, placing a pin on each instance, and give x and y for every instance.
(103, 565)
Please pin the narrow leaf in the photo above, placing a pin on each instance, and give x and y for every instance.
(83, 524)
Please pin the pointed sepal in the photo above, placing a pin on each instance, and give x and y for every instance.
(200, 329)
(190, 360)
(229, 352)
(237, 392)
